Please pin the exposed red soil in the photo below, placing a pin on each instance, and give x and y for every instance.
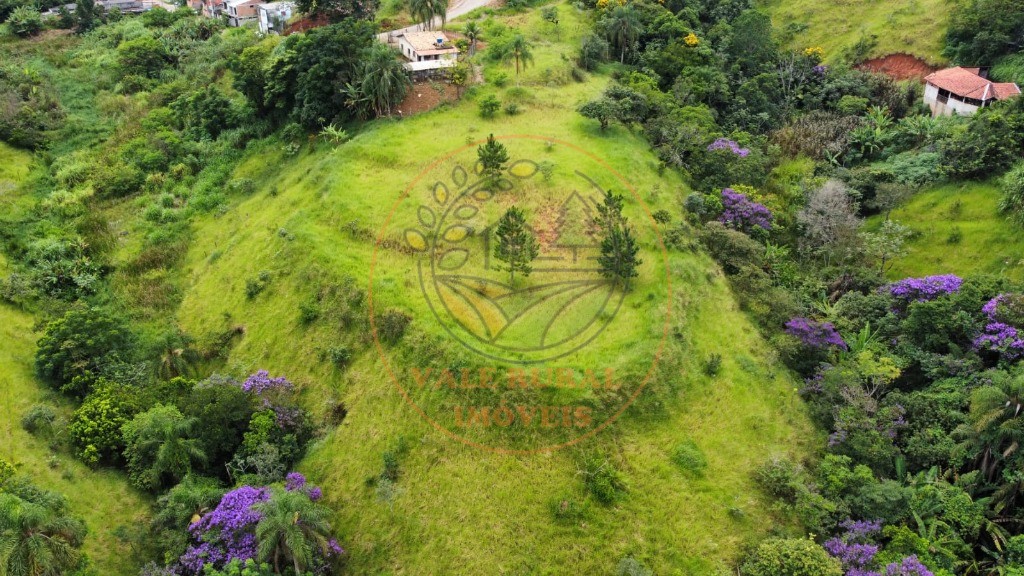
(899, 66)
(425, 96)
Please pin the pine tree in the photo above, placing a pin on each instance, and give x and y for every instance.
(517, 246)
(493, 156)
(619, 249)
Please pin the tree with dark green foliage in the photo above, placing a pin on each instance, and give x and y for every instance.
(225, 411)
(623, 28)
(86, 15)
(751, 47)
(603, 109)
(618, 259)
(159, 448)
(76, 347)
(982, 31)
(492, 157)
(37, 539)
(339, 10)
(249, 70)
(308, 72)
(203, 113)
(516, 244)
(293, 528)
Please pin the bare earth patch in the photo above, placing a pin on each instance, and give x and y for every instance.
(899, 66)
(425, 96)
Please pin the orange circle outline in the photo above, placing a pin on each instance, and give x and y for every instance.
(657, 355)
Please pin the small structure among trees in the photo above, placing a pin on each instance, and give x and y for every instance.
(427, 51)
(964, 90)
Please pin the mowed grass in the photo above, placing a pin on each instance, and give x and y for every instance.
(958, 229)
(914, 27)
(463, 510)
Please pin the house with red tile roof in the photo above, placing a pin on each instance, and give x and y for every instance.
(964, 90)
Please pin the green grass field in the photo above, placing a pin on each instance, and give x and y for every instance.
(461, 510)
(914, 27)
(958, 229)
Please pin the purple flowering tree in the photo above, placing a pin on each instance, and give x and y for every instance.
(730, 146)
(226, 533)
(924, 289)
(814, 334)
(1001, 334)
(231, 531)
(857, 547)
(742, 213)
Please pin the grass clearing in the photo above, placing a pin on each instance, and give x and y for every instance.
(915, 27)
(958, 228)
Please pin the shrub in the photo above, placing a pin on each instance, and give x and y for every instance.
(602, 479)
(144, 57)
(25, 21)
(309, 311)
(254, 286)
(489, 106)
(791, 557)
(75, 347)
(95, 428)
(117, 180)
(852, 105)
(500, 79)
(593, 51)
(39, 419)
(689, 457)
(340, 356)
(511, 109)
(712, 365)
(391, 326)
(779, 477)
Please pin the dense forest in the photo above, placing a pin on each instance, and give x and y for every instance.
(138, 134)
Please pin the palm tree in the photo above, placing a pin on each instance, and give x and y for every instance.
(520, 50)
(36, 540)
(996, 423)
(421, 10)
(384, 83)
(424, 11)
(623, 28)
(159, 445)
(439, 9)
(293, 527)
(472, 33)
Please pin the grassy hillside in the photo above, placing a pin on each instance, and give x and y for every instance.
(958, 229)
(915, 27)
(102, 498)
(457, 510)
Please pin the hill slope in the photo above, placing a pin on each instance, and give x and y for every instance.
(309, 225)
(914, 27)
